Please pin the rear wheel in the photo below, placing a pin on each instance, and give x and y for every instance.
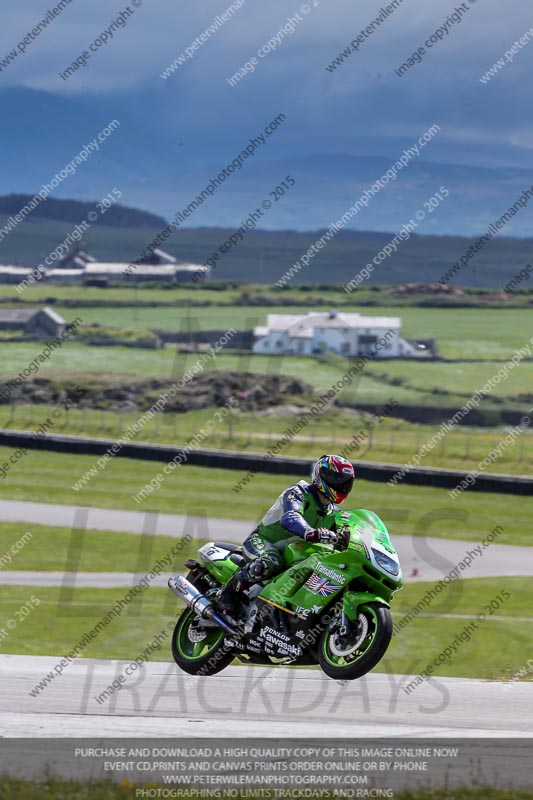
(197, 649)
(349, 656)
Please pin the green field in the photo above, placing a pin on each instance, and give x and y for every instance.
(49, 477)
(391, 440)
(224, 293)
(423, 383)
(429, 392)
(72, 357)
(460, 333)
(56, 625)
(475, 334)
(467, 597)
(426, 636)
(78, 296)
(464, 377)
(60, 549)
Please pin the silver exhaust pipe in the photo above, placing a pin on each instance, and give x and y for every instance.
(197, 601)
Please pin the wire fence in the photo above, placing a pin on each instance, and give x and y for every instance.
(390, 440)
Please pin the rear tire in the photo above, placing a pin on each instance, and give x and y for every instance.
(196, 655)
(348, 660)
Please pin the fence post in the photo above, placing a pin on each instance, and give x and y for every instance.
(521, 456)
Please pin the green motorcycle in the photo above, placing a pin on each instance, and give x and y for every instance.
(327, 607)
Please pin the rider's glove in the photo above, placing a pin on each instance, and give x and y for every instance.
(325, 536)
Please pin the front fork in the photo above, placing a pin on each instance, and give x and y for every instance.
(344, 624)
(351, 602)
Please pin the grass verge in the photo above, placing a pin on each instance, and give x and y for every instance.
(62, 617)
(205, 492)
(60, 549)
(495, 650)
(493, 647)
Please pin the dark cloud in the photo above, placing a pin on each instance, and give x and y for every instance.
(362, 108)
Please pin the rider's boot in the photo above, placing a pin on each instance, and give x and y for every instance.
(228, 597)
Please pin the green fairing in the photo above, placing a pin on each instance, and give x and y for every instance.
(352, 601)
(303, 559)
(222, 570)
(362, 521)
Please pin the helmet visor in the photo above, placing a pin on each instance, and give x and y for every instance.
(337, 480)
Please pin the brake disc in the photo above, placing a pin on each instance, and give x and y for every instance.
(194, 634)
(345, 648)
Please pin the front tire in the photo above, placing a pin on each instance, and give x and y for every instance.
(351, 657)
(197, 650)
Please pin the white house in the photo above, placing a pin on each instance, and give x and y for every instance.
(346, 334)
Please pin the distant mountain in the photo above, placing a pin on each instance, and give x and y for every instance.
(74, 211)
(160, 161)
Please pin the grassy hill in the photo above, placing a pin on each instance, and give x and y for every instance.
(73, 211)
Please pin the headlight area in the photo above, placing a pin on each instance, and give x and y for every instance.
(387, 564)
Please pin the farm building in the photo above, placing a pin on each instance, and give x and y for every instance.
(80, 267)
(345, 334)
(157, 266)
(12, 274)
(142, 272)
(43, 322)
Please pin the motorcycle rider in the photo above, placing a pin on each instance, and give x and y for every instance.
(305, 510)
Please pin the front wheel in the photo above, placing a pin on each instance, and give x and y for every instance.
(197, 649)
(349, 656)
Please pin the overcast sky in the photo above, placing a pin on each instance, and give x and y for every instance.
(362, 99)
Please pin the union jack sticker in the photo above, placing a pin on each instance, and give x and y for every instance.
(322, 586)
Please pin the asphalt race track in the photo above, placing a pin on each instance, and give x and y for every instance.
(160, 700)
(423, 558)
